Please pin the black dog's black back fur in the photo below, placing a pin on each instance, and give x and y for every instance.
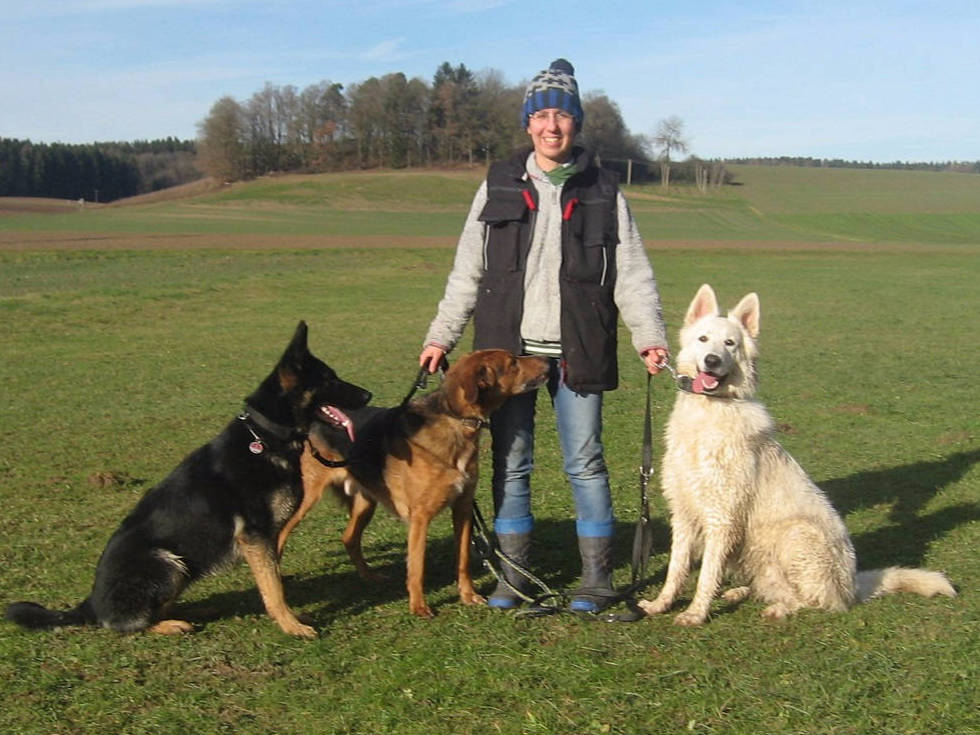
(241, 486)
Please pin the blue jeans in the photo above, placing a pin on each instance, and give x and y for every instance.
(579, 422)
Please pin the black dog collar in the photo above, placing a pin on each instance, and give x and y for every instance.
(323, 460)
(254, 420)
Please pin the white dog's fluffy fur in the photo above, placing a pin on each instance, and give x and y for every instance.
(739, 501)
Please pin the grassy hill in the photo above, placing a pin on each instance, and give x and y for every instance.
(770, 205)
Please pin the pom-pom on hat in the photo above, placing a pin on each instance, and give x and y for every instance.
(554, 88)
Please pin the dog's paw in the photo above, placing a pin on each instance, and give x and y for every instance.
(690, 619)
(735, 594)
(776, 611)
(472, 598)
(422, 610)
(654, 607)
(299, 630)
(306, 631)
(172, 627)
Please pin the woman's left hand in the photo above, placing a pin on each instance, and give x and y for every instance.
(656, 359)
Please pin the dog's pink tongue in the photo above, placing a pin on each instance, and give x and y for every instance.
(346, 423)
(341, 419)
(704, 382)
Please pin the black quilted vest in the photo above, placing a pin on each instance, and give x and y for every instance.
(587, 276)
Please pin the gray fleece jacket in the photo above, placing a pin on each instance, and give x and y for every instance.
(635, 293)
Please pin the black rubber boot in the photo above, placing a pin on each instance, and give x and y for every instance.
(517, 548)
(596, 592)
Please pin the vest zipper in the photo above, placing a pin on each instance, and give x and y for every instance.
(532, 221)
(486, 246)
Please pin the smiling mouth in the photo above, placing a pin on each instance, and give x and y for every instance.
(336, 418)
(706, 382)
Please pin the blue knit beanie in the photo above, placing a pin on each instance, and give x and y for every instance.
(554, 87)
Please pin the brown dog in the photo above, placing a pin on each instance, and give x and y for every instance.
(417, 459)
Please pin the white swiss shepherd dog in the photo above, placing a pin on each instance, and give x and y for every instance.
(738, 500)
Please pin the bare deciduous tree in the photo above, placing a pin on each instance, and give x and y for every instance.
(669, 138)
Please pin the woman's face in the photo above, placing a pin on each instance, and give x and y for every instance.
(552, 133)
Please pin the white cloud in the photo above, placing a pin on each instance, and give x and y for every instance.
(384, 51)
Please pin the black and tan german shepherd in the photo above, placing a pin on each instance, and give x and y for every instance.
(225, 501)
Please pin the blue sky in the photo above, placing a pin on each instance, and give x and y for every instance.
(882, 81)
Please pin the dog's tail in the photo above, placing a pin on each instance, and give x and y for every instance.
(878, 582)
(37, 617)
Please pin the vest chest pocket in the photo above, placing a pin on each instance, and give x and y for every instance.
(506, 220)
(591, 239)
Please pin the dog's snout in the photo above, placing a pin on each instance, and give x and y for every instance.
(712, 361)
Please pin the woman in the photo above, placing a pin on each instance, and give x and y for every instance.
(548, 259)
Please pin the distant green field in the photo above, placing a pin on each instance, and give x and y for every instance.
(784, 203)
(798, 190)
(391, 191)
(770, 205)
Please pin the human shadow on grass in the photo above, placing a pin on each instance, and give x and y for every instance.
(324, 596)
(907, 489)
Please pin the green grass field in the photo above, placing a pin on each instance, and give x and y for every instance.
(118, 362)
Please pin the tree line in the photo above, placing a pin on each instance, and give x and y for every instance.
(972, 167)
(99, 172)
(459, 117)
(389, 122)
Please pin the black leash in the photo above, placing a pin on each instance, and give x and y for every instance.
(643, 535)
(547, 602)
(551, 602)
(643, 531)
(422, 379)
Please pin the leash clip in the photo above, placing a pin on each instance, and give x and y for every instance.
(683, 382)
(665, 365)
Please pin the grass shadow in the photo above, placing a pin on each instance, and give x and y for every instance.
(328, 595)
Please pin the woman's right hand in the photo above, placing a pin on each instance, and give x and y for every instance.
(431, 358)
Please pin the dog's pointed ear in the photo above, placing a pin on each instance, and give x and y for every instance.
(291, 362)
(298, 343)
(748, 314)
(705, 304)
